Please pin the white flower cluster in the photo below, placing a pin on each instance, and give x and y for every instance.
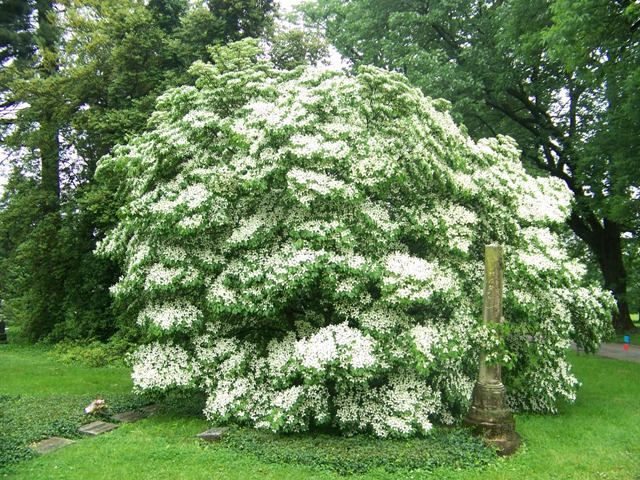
(308, 184)
(379, 215)
(341, 344)
(383, 320)
(402, 407)
(246, 229)
(424, 339)
(460, 224)
(158, 366)
(307, 145)
(544, 200)
(415, 279)
(159, 275)
(170, 315)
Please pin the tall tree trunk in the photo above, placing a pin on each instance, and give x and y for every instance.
(46, 294)
(604, 241)
(615, 277)
(47, 139)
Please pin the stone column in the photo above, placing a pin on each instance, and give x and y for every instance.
(489, 415)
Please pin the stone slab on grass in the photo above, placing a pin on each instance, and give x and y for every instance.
(213, 434)
(149, 409)
(97, 428)
(130, 416)
(135, 415)
(51, 445)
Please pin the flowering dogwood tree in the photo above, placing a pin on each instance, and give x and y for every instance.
(307, 248)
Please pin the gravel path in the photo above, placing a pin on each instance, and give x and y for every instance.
(617, 351)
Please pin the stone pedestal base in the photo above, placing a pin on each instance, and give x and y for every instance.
(490, 417)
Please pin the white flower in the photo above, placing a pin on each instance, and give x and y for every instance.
(161, 366)
(169, 315)
(348, 346)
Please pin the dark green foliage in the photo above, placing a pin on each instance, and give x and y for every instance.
(217, 23)
(15, 225)
(242, 18)
(117, 57)
(93, 353)
(13, 450)
(168, 12)
(454, 448)
(15, 38)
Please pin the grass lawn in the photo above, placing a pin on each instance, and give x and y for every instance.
(29, 370)
(598, 437)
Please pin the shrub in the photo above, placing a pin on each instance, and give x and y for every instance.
(307, 247)
(94, 353)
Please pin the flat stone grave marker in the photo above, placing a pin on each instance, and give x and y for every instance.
(149, 409)
(97, 428)
(130, 416)
(52, 444)
(213, 434)
(135, 415)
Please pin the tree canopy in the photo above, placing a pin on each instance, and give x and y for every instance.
(306, 247)
(560, 77)
(77, 78)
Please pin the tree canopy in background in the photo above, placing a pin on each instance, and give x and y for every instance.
(560, 77)
(307, 248)
(77, 78)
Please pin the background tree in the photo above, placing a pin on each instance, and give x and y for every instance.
(31, 101)
(78, 78)
(560, 77)
(16, 42)
(291, 46)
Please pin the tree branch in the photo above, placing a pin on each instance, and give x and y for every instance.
(448, 39)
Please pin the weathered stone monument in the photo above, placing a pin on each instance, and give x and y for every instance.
(489, 415)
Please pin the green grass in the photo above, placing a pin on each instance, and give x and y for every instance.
(40, 397)
(160, 447)
(32, 371)
(598, 437)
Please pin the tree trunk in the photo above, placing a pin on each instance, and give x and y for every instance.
(48, 142)
(47, 287)
(604, 241)
(615, 276)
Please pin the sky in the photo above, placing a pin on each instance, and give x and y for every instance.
(287, 4)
